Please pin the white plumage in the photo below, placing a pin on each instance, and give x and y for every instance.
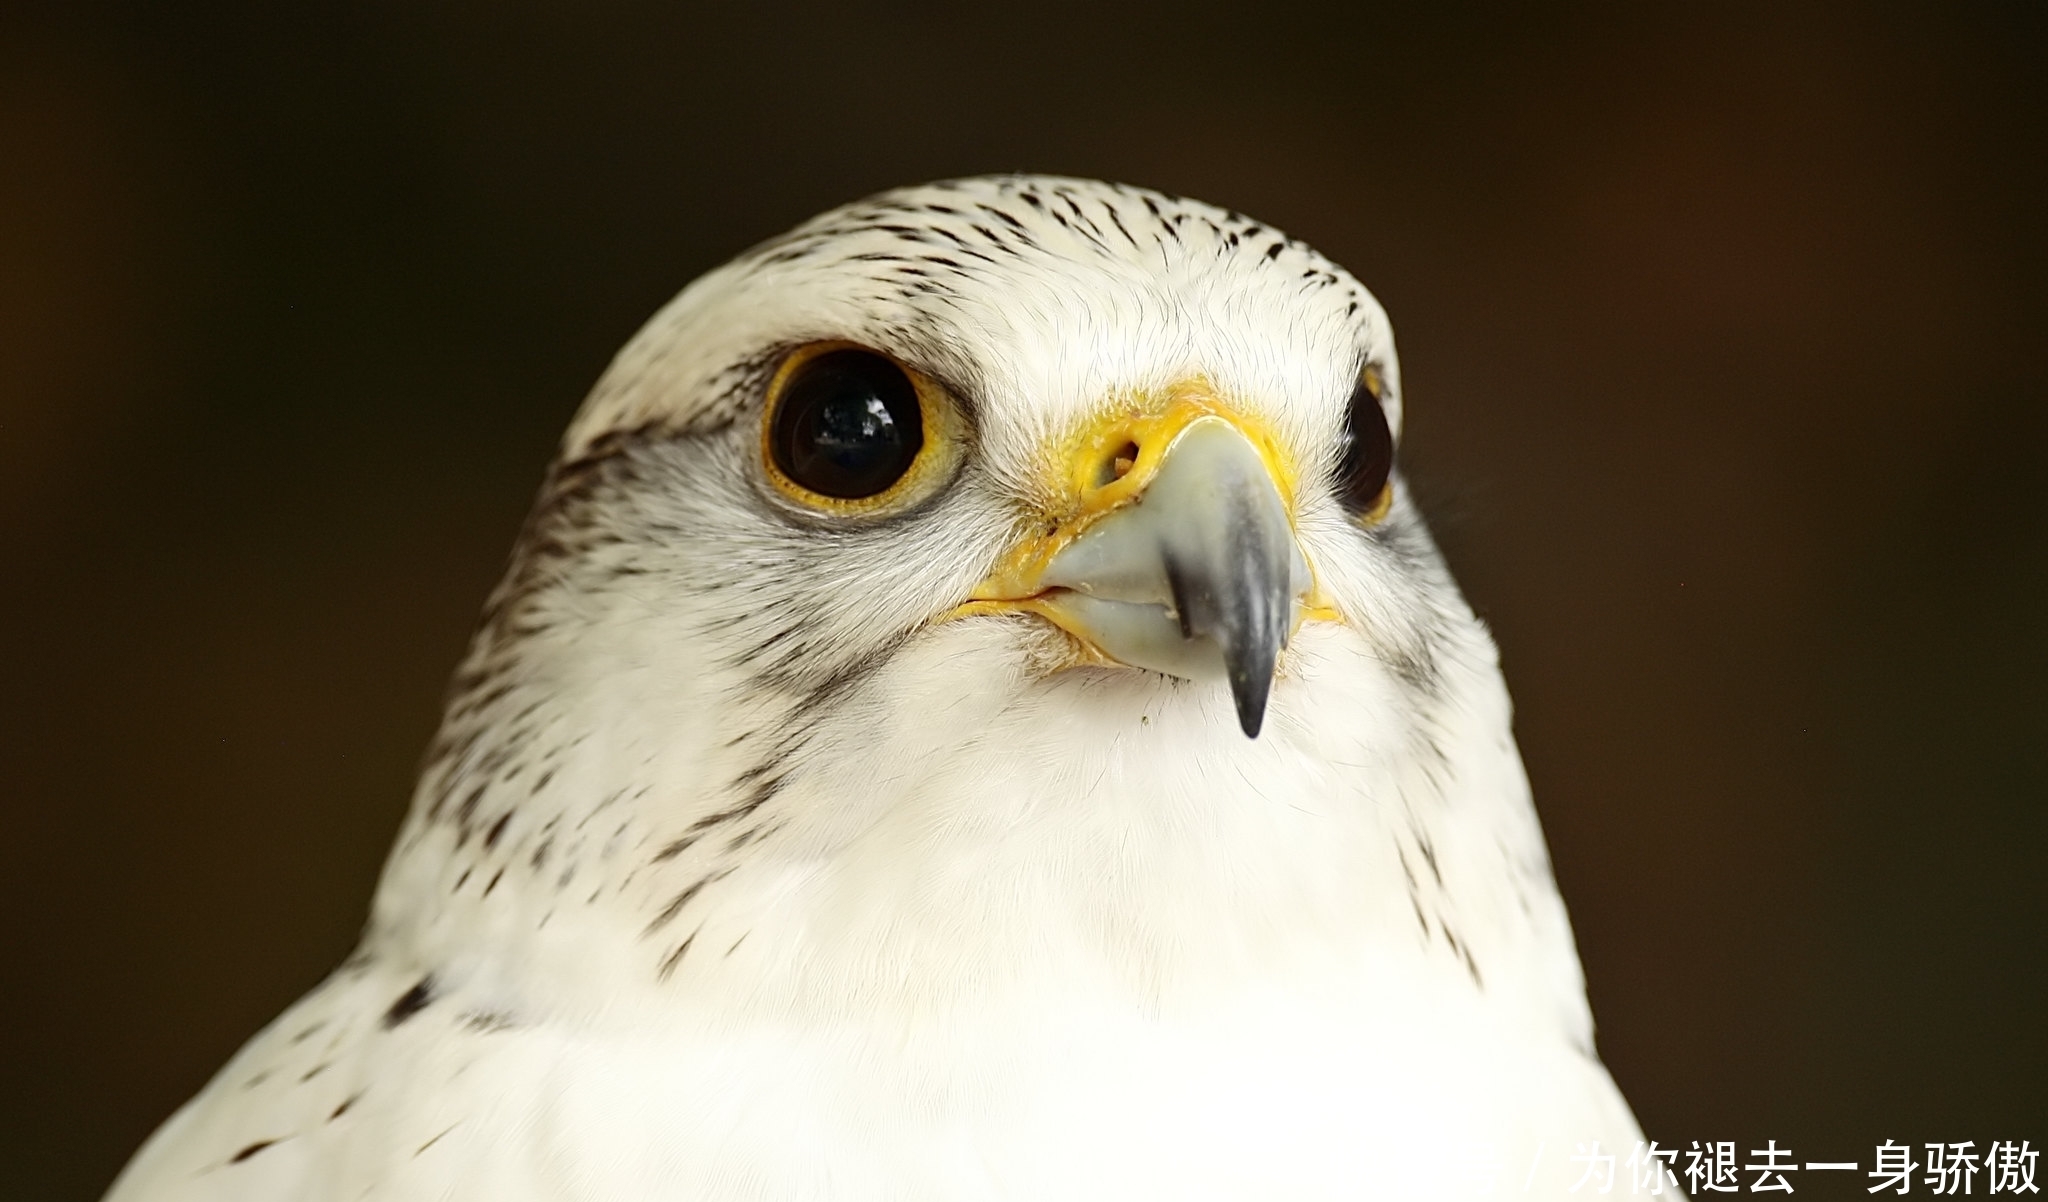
(747, 867)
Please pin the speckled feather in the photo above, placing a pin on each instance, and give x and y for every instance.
(733, 874)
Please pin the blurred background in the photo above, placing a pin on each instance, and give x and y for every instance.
(1721, 331)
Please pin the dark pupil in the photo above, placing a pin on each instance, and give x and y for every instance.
(1368, 452)
(848, 425)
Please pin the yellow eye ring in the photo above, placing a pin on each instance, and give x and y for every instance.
(851, 431)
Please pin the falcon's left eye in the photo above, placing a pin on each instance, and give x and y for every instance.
(1364, 474)
(850, 430)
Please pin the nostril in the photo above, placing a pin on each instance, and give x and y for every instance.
(1117, 464)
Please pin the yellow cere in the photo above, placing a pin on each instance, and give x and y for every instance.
(1106, 464)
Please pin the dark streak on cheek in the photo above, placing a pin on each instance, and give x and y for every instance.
(251, 1150)
(411, 1002)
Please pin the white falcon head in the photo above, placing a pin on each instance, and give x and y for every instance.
(997, 580)
(974, 713)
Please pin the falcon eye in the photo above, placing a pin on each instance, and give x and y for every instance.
(847, 425)
(1363, 474)
(851, 432)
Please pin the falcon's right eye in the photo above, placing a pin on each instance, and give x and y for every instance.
(848, 429)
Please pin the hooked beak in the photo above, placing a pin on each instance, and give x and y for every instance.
(1176, 552)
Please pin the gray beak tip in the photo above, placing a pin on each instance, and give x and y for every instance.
(1250, 696)
(1249, 664)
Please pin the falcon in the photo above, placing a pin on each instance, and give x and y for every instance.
(974, 713)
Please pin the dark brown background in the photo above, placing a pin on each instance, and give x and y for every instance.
(1721, 333)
